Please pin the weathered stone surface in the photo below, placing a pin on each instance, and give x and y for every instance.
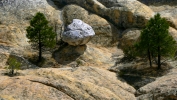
(78, 33)
(106, 34)
(25, 64)
(3, 60)
(86, 55)
(173, 33)
(83, 83)
(15, 16)
(23, 89)
(127, 13)
(168, 12)
(11, 35)
(129, 37)
(171, 16)
(164, 88)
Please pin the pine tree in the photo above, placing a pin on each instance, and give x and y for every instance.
(40, 33)
(156, 41)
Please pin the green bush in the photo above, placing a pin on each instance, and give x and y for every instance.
(13, 64)
(130, 52)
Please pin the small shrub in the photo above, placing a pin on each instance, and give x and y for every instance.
(13, 64)
(130, 52)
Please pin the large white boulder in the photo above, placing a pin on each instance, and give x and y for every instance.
(78, 33)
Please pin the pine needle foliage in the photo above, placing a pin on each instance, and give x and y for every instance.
(155, 40)
(40, 33)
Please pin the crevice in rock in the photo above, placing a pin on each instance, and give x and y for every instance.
(141, 75)
(62, 4)
(53, 86)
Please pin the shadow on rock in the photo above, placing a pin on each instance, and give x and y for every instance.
(67, 53)
(137, 73)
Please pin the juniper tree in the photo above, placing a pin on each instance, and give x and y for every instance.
(40, 33)
(156, 41)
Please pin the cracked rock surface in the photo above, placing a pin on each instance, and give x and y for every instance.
(83, 83)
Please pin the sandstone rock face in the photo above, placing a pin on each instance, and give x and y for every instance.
(107, 18)
(164, 88)
(106, 34)
(171, 16)
(86, 55)
(129, 37)
(17, 13)
(10, 35)
(83, 83)
(78, 33)
(28, 90)
(127, 13)
(173, 33)
(15, 16)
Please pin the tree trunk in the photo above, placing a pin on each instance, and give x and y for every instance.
(149, 56)
(56, 31)
(12, 71)
(40, 48)
(159, 58)
(40, 52)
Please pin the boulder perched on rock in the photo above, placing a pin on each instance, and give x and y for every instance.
(78, 33)
(106, 34)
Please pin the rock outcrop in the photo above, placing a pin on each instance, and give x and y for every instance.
(78, 33)
(164, 88)
(125, 14)
(106, 34)
(15, 16)
(83, 83)
(86, 55)
(77, 80)
(129, 37)
(171, 16)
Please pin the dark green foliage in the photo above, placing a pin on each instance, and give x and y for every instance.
(14, 64)
(155, 40)
(40, 33)
(130, 52)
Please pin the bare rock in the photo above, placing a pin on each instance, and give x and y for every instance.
(85, 55)
(15, 16)
(83, 83)
(8, 36)
(173, 33)
(164, 88)
(78, 33)
(23, 89)
(170, 15)
(126, 13)
(106, 34)
(89, 82)
(129, 37)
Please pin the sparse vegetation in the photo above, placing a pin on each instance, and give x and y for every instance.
(13, 65)
(155, 40)
(41, 34)
(129, 53)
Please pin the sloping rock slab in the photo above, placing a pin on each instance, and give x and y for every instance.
(83, 83)
(164, 88)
